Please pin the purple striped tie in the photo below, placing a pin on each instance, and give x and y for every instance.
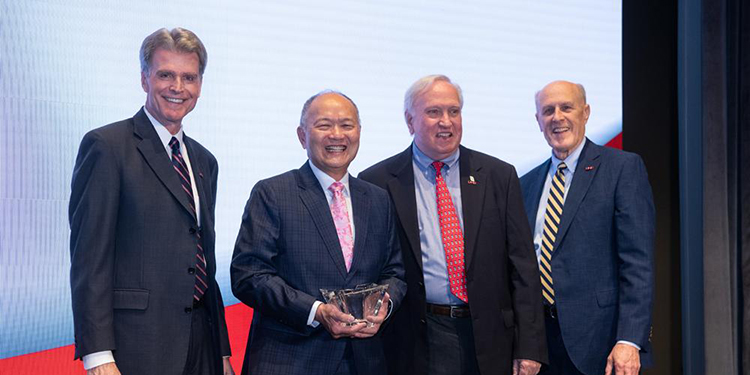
(200, 263)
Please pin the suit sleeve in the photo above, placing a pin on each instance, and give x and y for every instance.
(255, 280)
(94, 204)
(530, 340)
(634, 225)
(393, 272)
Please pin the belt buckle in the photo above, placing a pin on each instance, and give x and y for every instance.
(453, 310)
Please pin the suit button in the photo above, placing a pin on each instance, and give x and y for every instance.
(191, 270)
(422, 321)
(188, 310)
(421, 284)
(192, 230)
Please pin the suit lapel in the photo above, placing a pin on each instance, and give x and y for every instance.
(315, 201)
(153, 152)
(404, 198)
(578, 187)
(361, 214)
(534, 193)
(473, 184)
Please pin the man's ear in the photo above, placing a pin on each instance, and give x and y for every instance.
(302, 136)
(144, 81)
(409, 118)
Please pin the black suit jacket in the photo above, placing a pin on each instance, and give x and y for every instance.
(501, 269)
(602, 263)
(133, 248)
(287, 250)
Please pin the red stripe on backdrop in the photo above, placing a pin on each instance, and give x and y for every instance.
(59, 361)
(615, 142)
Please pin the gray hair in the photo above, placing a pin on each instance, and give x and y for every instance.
(581, 90)
(308, 103)
(175, 40)
(421, 85)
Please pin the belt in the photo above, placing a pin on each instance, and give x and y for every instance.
(452, 311)
(550, 311)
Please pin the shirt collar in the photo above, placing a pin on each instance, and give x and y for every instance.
(325, 180)
(424, 161)
(572, 160)
(164, 135)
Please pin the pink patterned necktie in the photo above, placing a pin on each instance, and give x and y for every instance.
(450, 233)
(341, 220)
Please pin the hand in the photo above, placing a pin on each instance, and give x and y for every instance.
(526, 367)
(335, 321)
(624, 359)
(105, 369)
(376, 320)
(227, 366)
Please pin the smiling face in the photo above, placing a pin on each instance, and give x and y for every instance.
(173, 85)
(435, 120)
(330, 134)
(562, 113)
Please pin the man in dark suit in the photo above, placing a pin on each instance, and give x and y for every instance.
(472, 304)
(593, 217)
(309, 229)
(145, 300)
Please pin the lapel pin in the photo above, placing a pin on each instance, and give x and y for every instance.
(589, 168)
(472, 181)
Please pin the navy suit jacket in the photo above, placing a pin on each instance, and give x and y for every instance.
(501, 271)
(602, 261)
(133, 246)
(287, 250)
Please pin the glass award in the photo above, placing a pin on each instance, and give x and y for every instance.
(362, 301)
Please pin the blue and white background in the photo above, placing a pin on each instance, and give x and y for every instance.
(67, 67)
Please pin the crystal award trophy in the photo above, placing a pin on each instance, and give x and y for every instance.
(363, 301)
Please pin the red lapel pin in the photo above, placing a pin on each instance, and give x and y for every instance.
(472, 181)
(589, 168)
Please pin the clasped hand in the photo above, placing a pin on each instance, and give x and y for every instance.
(338, 324)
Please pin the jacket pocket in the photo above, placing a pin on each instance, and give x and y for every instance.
(508, 318)
(130, 299)
(606, 297)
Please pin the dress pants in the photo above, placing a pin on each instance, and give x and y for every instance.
(450, 346)
(559, 361)
(203, 357)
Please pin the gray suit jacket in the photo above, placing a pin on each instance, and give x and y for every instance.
(602, 262)
(133, 247)
(287, 250)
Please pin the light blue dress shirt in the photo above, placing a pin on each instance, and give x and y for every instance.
(434, 267)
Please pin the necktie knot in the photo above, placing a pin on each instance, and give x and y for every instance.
(174, 144)
(336, 187)
(562, 166)
(438, 165)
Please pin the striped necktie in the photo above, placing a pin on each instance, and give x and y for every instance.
(552, 217)
(200, 262)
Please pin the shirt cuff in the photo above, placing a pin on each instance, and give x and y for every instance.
(311, 317)
(390, 310)
(97, 359)
(629, 343)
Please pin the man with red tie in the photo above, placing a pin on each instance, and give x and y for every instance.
(145, 299)
(472, 304)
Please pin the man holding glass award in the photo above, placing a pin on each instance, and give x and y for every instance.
(317, 234)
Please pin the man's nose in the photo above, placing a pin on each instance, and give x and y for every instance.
(558, 116)
(177, 85)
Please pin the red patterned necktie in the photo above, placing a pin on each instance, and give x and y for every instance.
(450, 233)
(200, 262)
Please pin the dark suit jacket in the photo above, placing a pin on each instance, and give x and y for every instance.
(287, 250)
(132, 245)
(602, 265)
(501, 271)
